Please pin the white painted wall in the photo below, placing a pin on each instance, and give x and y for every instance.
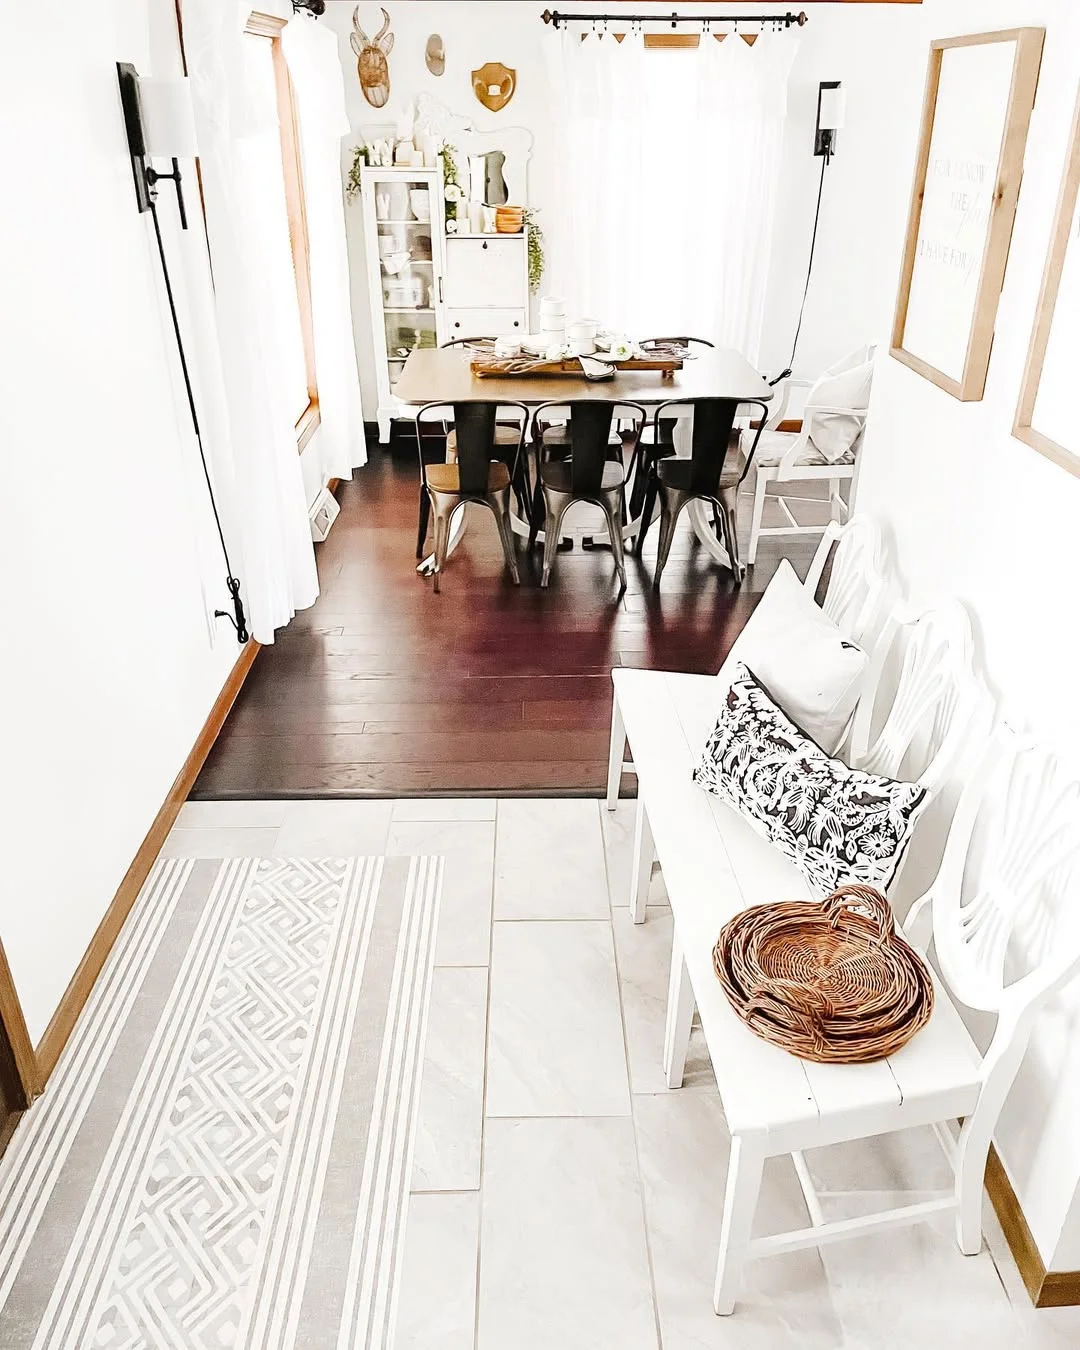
(976, 513)
(106, 546)
(868, 47)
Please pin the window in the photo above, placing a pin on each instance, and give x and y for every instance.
(283, 244)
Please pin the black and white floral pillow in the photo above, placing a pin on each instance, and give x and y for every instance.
(837, 825)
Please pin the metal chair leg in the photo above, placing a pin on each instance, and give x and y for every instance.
(613, 509)
(555, 504)
(422, 524)
(671, 505)
(729, 503)
(648, 506)
(443, 506)
(499, 502)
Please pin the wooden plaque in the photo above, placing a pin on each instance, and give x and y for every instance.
(1046, 414)
(979, 94)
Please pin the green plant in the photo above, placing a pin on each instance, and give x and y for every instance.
(536, 250)
(359, 161)
(450, 180)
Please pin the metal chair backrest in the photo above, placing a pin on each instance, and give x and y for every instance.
(589, 424)
(474, 424)
(711, 441)
(464, 341)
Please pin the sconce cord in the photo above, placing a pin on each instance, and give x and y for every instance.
(237, 618)
(784, 374)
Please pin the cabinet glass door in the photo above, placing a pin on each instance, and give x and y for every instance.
(407, 265)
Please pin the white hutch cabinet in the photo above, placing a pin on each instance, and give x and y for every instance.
(427, 287)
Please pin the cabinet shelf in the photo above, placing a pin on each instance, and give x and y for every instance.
(407, 309)
(403, 222)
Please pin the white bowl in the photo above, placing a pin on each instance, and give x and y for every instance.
(394, 262)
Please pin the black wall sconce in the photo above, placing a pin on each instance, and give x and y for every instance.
(159, 120)
(831, 113)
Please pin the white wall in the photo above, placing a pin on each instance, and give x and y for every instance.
(976, 513)
(867, 47)
(106, 548)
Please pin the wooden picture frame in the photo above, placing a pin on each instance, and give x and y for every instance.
(961, 221)
(1062, 267)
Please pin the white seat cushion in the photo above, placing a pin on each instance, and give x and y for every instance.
(774, 445)
(809, 667)
(844, 385)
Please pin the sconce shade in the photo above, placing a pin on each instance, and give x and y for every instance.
(168, 117)
(832, 111)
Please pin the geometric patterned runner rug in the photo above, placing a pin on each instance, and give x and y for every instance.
(222, 1157)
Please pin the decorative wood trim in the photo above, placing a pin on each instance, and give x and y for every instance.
(655, 40)
(270, 26)
(78, 990)
(1025, 77)
(1046, 1288)
(265, 25)
(1044, 313)
(307, 425)
(13, 1024)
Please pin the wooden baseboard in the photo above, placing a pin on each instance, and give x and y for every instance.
(77, 992)
(1047, 1288)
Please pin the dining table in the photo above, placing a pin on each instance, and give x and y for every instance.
(445, 375)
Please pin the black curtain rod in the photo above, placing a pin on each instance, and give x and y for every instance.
(785, 20)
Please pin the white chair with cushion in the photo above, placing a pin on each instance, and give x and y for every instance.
(825, 449)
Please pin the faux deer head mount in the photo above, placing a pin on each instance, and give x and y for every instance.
(371, 64)
(494, 85)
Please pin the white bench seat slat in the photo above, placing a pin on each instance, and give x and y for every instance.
(715, 865)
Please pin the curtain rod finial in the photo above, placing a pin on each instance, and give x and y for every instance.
(547, 16)
(803, 18)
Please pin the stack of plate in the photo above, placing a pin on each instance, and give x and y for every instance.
(509, 219)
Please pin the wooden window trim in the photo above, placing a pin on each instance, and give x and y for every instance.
(270, 26)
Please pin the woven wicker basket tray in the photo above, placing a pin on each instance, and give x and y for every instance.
(831, 982)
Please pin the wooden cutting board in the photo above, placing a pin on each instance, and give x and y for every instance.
(523, 367)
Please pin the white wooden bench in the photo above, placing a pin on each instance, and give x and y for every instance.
(715, 865)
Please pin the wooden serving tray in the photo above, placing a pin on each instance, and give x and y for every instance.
(525, 367)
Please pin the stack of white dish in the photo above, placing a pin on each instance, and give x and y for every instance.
(553, 318)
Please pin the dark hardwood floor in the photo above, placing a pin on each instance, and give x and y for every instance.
(383, 688)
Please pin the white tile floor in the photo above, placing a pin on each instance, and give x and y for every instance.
(563, 1199)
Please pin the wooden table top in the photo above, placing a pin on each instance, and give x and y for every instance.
(442, 375)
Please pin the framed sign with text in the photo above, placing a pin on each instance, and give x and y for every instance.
(980, 90)
(1046, 414)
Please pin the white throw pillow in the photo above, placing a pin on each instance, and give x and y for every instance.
(834, 435)
(805, 662)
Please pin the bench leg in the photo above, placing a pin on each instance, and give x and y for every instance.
(680, 1015)
(644, 852)
(615, 753)
(740, 1201)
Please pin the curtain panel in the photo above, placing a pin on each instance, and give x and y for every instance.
(318, 83)
(269, 507)
(670, 161)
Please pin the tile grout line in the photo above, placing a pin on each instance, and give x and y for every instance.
(484, 1094)
(602, 806)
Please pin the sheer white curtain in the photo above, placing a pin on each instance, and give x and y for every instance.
(277, 562)
(319, 85)
(669, 162)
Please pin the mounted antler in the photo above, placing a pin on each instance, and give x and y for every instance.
(359, 39)
(371, 65)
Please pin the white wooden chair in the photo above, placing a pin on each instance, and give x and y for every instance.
(861, 585)
(1001, 948)
(791, 457)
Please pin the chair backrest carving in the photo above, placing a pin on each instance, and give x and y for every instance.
(938, 702)
(859, 588)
